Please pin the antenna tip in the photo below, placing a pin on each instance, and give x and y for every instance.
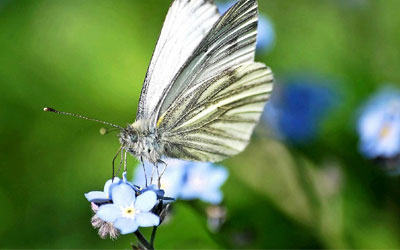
(103, 131)
(47, 109)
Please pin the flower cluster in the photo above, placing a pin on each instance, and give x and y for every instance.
(379, 125)
(122, 208)
(188, 180)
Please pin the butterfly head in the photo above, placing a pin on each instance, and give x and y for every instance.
(128, 138)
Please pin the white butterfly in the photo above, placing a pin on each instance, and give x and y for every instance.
(203, 93)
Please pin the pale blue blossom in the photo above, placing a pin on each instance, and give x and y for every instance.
(171, 181)
(186, 180)
(203, 181)
(379, 125)
(128, 212)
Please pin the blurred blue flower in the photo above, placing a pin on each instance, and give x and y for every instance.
(129, 212)
(297, 108)
(102, 196)
(171, 181)
(187, 180)
(266, 31)
(203, 181)
(379, 125)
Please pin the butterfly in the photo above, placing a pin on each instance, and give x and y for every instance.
(203, 93)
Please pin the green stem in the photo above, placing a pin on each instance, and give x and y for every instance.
(143, 241)
(153, 236)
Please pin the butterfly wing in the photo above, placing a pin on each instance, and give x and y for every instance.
(185, 26)
(217, 98)
(221, 120)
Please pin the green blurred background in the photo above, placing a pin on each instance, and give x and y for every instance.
(91, 57)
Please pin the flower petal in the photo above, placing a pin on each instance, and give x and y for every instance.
(109, 212)
(97, 197)
(126, 225)
(214, 197)
(109, 183)
(123, 195)
(218, 176)
(146, 201)
(147, 219)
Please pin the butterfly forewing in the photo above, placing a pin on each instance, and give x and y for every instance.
(217, 98)
(186, 25)
(230, 43)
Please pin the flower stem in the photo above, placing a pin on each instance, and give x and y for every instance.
(153, 236)
(143, 241)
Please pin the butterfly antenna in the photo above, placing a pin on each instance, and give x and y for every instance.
(47, 109)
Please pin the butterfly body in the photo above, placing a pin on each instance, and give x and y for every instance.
(142, 141)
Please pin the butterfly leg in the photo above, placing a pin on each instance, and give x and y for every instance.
(159, 176)
(144, 170)
(125, 161)
(113, 162)
(120, 162)
(163, 171)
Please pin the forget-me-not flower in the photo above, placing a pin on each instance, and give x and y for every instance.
(379, 125)
(297, 108)
(171, 181)
(129, 212)
(203, 181)
(188, 180)
(266, 32)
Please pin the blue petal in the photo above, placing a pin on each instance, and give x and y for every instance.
(146, 201)
(97, 197)
(101, 197)
(126, 225)
(123, 195)
(147, 219)
(109, 183)
(109, 212)
(218, 176)
(159, 192)
(214, 197)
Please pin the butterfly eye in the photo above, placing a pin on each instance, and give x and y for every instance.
(133, 137)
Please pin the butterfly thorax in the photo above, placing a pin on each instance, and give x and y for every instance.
(142, 142)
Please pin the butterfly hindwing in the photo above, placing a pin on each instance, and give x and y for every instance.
(220, 125)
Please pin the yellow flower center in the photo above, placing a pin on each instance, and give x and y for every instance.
(385, 131)
(129, 211)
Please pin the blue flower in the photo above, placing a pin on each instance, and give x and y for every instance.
(379, 125)
(203, 181)
(171, 181)
(102, 197)
(129, 212)
(187, 180)
(297, 109)
(266, 31)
